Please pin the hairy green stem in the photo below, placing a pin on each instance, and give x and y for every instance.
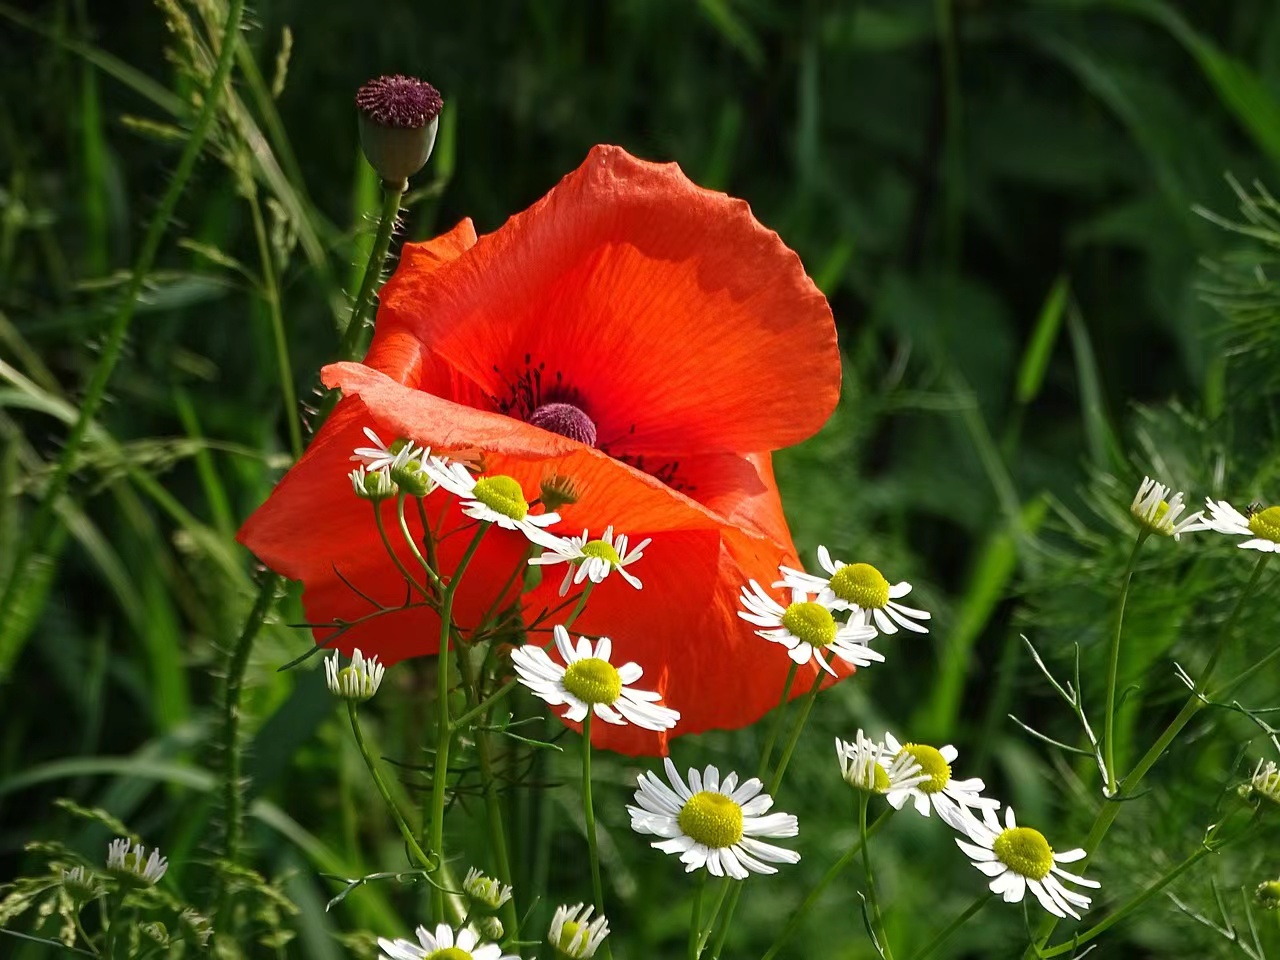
(589, 815)
(427, 565)
(1109, 716)
(41, 528)
(392, 194)
(945, 933)
(444, 729)
(405, 830)
(873, 902)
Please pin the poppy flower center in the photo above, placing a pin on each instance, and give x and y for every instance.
(566, 420)
(712, 819)
(861, 583)
(601, 551)
(593, 681)
(1024, 851)
(810, 622)
(1266, 524)
(932, 764)
(502, 494)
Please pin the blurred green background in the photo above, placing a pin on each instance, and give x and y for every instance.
(1006, 204)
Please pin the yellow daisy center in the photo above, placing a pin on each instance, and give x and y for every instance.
(1266, 524)
(712, 819)
(861, 583)
(932, 764)
(593, 680)
(602, 551)
(1024, 851)
(349, 678)
(567, 933)
(810, 622)
(503, 495)
(450, 953)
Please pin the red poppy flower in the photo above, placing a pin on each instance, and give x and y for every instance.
(646, 338)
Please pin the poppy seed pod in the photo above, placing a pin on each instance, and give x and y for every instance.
(399, 117)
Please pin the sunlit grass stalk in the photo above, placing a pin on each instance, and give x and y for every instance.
(1194, 703)
(1113, 665)
(405, 830)
(589, 816)
(444, 728)
(40, 529)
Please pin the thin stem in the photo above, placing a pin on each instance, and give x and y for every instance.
(413, 544)
(589, 815)
(444, 729)
(945, 933)
(705, 934)
(1109, 717)
(790, 748)
(391, 551)
(271, 294)
(695, 919)
(405, 830)
(1194, 703)
(775, 727)
(828, 878)
(392, 193)
(42, 523)
(581, 605)
(873, 903)
(730, 906)
(486, 704)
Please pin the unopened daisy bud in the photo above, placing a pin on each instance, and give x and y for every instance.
(372, 485)
(872, 767)
(491, 928)
(81, 885)
(573, 934)
(1157, 512)
(127, 863)
(357, 681)
(1264, 784)
(1267, 895)
(557, 491)
(399, 117)
(406, 471)
(485, 892)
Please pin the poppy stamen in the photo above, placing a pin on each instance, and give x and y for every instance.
(566, 420)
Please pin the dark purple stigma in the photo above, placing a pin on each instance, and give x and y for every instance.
(566, 420)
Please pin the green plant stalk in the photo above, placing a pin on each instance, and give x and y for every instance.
(405, 830)
(705, 934)
(589, 815)
(945, 933)
(695, 918)
(410, 579)
(427, 565)
(828, 878)
(766, 753)
(271, 293)
(444, 729)
(42, 523)
(392, 194)
(873, 902)
(1109, 717)
(1193, 705)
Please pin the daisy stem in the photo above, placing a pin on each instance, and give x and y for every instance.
(695, 921)
(873, 904)
(444, 729)
(413, 544)
(828, 878)
(1194, 703)
(391, 551)
(776, 727)
(790, 748)
(589, 815)
(945, 933)
(405, 830)
(581, 605)
(1109, 717)
(705, 935)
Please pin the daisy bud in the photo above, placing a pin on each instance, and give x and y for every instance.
(491, 928)
(126, 861)
(1264, 784)
(557, 491)
(1157, 512)
(372, 485)
(406, 471)
(358, 681)
(485, 892)
(399, 117)
(81, 885)
(573, 934)
(1267, 895)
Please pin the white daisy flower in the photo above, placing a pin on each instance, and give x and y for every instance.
(1158, 512)
(1018, 858)
(592, 559)
(496, 499)
(124, 858)
(443, 944)
(870, 766)
(1261, 526)
(859, 587)
(1265, 782)
(573, 936)
(589, 682)
(954, 800)
(372, 485)
(485, 891)
(357, 681)
(408, 470)
(380, 455)
(711, 823)
(807, 629)
(80, 883)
